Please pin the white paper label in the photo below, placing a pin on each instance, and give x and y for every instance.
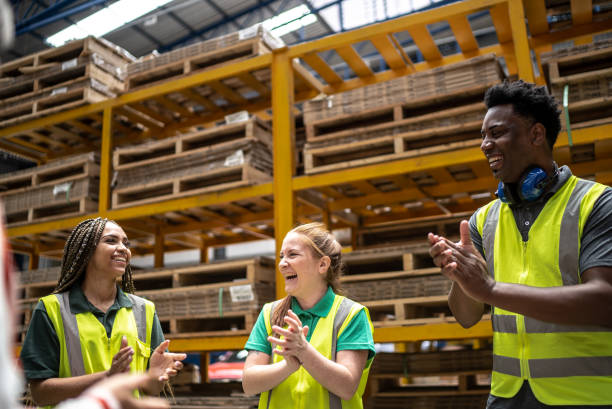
(247, 33)
(61, 90)
(239, 116)
(235, 159)
(241, 293)
(62, 188)
(69, 64)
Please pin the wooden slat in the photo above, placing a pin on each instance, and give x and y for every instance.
(463, 33)
(501, 21)
(321, 67)
(422, 38)
(535, 11)
(173, 106)
(228, 93)
(354, 60)
(149, 112)
(387, 49)
(135, 117)
(43, 138)
(205, 102)
(582, 11)
(249, 80)
(27, 153)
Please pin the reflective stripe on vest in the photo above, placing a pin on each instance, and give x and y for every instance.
(552, 356)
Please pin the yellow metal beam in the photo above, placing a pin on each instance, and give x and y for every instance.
(582, 11)
(422, 38)
(463, 33)
(432, 331)
(521, 43)
(392, 26)
(389, 52)
(207, 343)
(596, 27)
(283, 147)
(105, 160)
(501, 21)
(148, 209)
(536, 16)
(354, 60)
(320, 66)
(423, 66)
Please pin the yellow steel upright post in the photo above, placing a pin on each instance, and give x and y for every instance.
(105, 161)
(283, 141)
(520, 40)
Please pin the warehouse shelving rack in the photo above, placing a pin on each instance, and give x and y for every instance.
(289, 198)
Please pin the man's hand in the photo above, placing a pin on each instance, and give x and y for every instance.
(463, 264)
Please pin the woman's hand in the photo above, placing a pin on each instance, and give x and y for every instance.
(122, 360)
(163, 365)
(294, 343)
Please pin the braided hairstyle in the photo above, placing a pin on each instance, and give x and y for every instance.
(322, 243)
(79, 249)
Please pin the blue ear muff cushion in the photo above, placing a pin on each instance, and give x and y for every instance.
(501, 194)
(532, 184)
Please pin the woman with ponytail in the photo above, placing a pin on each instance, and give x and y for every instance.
(314, 348)
(90, 327)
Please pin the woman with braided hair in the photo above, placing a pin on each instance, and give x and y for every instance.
(314, 348)
(89, 328)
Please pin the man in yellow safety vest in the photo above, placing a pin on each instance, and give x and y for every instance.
(541, 256)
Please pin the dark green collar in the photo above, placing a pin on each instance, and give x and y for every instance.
(79, 302)
(320, 309)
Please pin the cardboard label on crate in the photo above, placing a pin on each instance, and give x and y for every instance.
(247, 33)
(239, 116)
(235, 159)
(69, 64)
(241, 293)
(58, 91)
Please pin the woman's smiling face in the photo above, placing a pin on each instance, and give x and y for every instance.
(303, 270)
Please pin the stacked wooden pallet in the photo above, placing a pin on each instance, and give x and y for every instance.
(444, 379)
(62, 188)
(53, 80)
(224, 157)
(586, 71)
(431, 111)
(399, 285)
(208, 299)
(230, 48)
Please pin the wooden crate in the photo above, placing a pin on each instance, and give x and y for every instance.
(479, 72)
(400, 285)
(49, 101)
(201, 56)
(93, 66)
(61, 188)
(587, 72)
(112, 54)
(458, 378)
(193, 164)
(397, 136)
(210, 299)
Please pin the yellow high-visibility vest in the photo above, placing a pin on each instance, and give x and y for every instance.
(300, 390)
(564, 364)
(84, 345)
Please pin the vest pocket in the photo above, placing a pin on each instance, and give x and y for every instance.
(140, 360)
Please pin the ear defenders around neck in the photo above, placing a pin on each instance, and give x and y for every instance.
(531, 186)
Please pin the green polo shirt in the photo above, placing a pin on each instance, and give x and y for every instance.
(356, 336)
(40, 354)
